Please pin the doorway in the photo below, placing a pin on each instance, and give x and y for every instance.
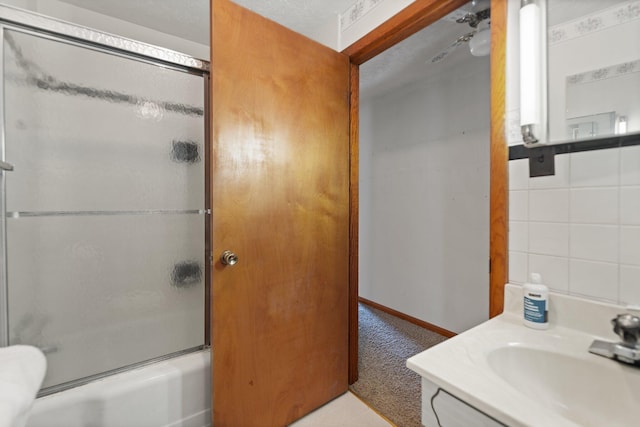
(424, 206)
(413, 18)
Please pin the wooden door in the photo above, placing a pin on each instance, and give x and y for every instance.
(280, 197)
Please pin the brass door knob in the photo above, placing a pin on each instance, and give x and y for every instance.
(228, 258)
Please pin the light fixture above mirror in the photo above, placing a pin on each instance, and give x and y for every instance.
(532, 71)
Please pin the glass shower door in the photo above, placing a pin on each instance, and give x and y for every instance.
(105, 207)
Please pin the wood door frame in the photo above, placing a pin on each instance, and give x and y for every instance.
(407, 22)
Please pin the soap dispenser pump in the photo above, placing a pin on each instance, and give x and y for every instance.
(536, 303)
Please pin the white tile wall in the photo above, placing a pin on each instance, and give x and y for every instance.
(555, 270)
(593, 279)
(518, 267)
(519, 175)
(519, 205)
(594, 242)
(549, 205)
(594, 168)
(630, 245)
(519, 236)
(549, 238)
(580, 228)
(630, 165)
(629, 289)
(594, 205)
(595, 253)
(630, 205)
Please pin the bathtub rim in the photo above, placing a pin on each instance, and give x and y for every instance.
(48, 391)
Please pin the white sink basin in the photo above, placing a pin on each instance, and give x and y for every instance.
(524, 377)
(586, 389)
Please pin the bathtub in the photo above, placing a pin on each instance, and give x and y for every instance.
(171, 393)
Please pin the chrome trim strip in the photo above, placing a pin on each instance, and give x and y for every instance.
(30, 214)
(44, 23)
(4, 276)
(74, 41)
(208, 255)
(86, 380)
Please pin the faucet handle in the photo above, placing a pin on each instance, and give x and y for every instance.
(627, 326)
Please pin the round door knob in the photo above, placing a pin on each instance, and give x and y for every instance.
(228, 258)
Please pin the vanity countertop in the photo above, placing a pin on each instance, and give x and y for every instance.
(527, 377)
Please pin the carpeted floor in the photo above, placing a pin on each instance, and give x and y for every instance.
(384, 381)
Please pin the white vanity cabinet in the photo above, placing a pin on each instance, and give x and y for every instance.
(442, 409)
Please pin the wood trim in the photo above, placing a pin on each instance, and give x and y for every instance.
(405, 23)
(426, 325)
(499, 266)
(412, 19)
(354, 170)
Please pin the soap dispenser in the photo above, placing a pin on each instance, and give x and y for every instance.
(536, 303)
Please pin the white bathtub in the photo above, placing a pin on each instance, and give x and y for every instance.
(171, 393)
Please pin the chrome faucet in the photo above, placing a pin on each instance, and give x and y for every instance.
(627, 326)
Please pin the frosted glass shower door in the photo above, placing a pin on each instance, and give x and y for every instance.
(105, 209)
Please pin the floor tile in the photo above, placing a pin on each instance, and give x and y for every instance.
(344, 411)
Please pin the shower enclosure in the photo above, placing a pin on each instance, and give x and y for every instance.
(104, 214)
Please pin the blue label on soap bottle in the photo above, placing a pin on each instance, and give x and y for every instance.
(535, 310)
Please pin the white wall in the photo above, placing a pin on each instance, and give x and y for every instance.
(108, 24)
(424, 207)
(580, 228)
(362, 16)
(365, 15)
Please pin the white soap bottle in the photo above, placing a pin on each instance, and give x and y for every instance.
(536, 303)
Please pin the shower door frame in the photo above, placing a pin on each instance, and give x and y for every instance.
(60, 31)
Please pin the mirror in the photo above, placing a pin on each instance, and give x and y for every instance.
(592, 70)
(597, 93)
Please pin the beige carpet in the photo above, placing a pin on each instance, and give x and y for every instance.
(385, 383)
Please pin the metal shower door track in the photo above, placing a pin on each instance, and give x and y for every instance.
(104, 40)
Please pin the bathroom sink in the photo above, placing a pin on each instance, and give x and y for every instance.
(587, 389)
(523, 377)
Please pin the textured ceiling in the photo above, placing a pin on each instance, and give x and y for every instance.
(410, 60)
